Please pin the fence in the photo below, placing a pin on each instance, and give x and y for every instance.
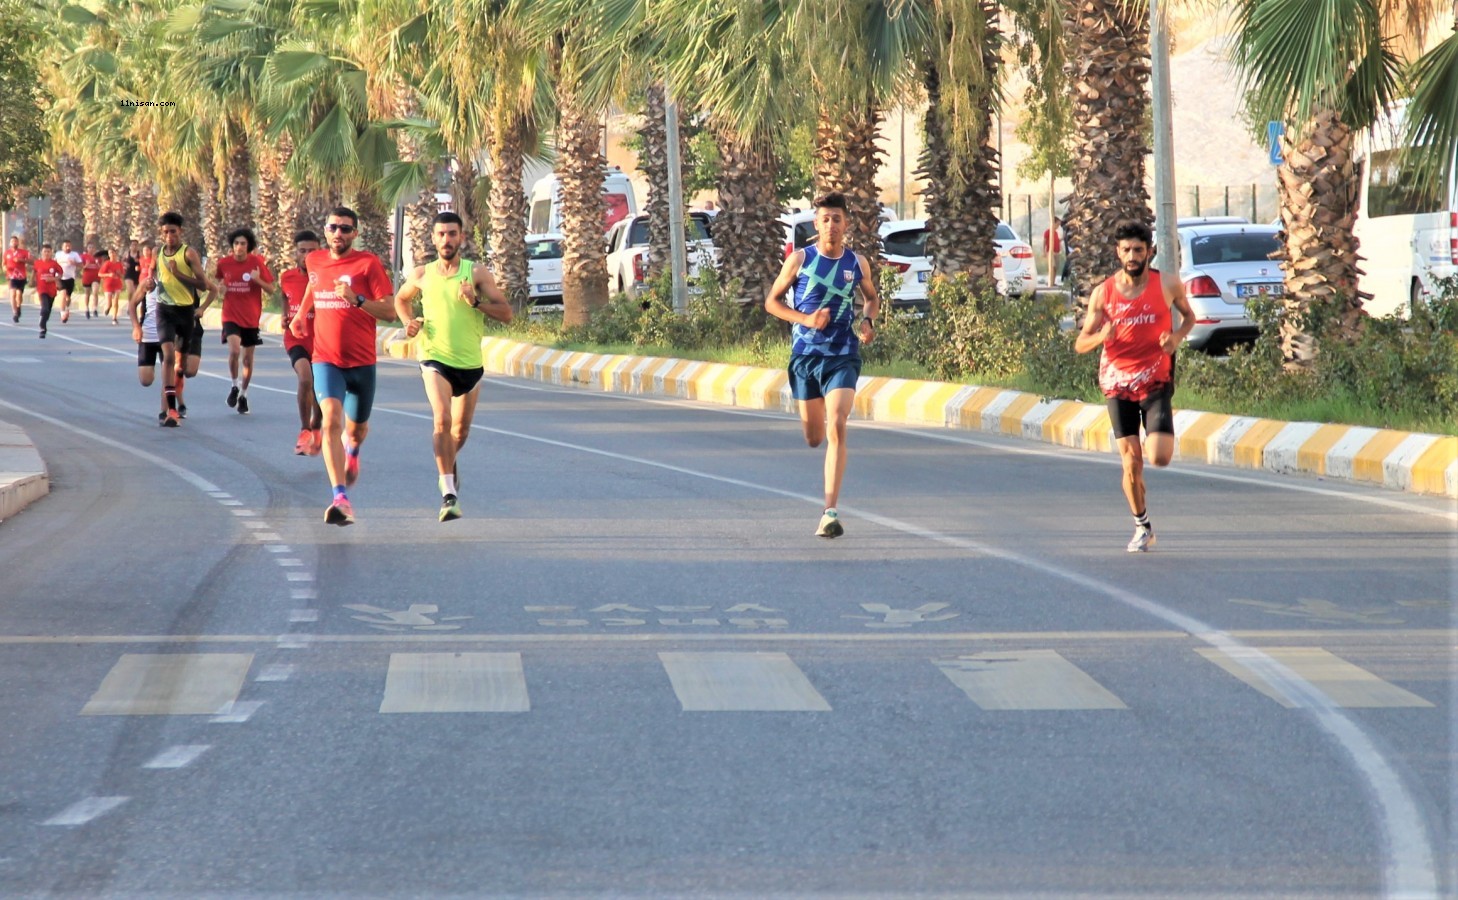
(1028, 213)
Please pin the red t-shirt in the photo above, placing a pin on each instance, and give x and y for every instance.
(47, 277)
(111, 275)
(242, 295)
(293, 283)
(146, 265)
(344, 336)
(15, 261)
(90, 269)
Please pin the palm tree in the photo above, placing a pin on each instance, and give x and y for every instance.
(1431, 119)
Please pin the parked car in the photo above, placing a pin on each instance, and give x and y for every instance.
(544, 268)
(627, 250)
(1019, 273)
(1224, 266)
(903, 247)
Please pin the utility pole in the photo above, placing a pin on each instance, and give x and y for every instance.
(678, 262)
(1165, 215)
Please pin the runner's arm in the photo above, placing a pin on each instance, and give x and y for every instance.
(407, 295)
(774, 302)
(870, 299)
(299, 324)
(495, 306)
(1095, 324)
(196, 282)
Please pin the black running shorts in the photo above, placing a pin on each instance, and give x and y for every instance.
(462, 381)
(175, 324)
(148, 353)
(1155, 412)
(247, 337)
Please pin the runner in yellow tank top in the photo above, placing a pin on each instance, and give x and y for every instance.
(451, 291)
(179, 274)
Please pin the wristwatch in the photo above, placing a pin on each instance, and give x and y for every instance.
(869, 321)
(475, 302)
(359, 300)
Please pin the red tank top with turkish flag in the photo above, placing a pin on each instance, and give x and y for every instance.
(1134, 365)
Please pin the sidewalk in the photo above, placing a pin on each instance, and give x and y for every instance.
(23, 476)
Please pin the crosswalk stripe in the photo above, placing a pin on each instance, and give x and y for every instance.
(455, 683)
(170, 684)
(741, 682)
(1346, 684)
(1026, 679)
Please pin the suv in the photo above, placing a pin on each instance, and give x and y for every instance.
(544, 268)
(627, 250)
(1222, 267)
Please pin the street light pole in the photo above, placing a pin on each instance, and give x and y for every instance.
(678, 262)
(1165, 217)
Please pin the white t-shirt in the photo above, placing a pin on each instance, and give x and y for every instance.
(149, 317)
(69, 262)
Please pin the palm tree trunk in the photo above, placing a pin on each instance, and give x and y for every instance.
(374, 227)
(654, 164)
(467, 185)
(509, 207)
(1319, 192)
(580, 168)
(847, 160)
(210, 217)
(238, 187)
(93, 203)
(312, 208)
(420, 211)
(185, 198)
(119, 221)
(273, 237)
(142, 222)
(749, 238)
(1108, 69)
(71, 222)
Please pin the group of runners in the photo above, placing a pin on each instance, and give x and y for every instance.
(105, 279)
(334, 295)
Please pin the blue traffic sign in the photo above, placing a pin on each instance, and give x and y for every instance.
(1274, 130)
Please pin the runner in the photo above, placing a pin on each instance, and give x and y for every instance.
(132, 275)
(825, 360)
(47, 284)
(348, 292)
(142, 310)
(179, 274)
(301, 349)
(111, 272)
(17, 258)
(452, 323)
(69, 261)
(244, 276)
(1129, 315)
(90, 275)
(147, 262)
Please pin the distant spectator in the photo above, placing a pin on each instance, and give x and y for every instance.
(1053, 244)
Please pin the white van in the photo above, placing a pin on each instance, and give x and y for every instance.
(1407, 241)
(618, 201)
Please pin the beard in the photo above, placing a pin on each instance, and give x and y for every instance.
(448, 252)
(1135, 270)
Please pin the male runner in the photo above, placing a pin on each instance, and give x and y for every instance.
(180, 274)
(110, 274)
(132, 275)
(90, 275)
(142, 310)
(47, 284)
(69, 261)
(348, 292)
(1129, 314)
(17, 258)
(244, 277)
(300, 350)
(452, 323)
(825, 359)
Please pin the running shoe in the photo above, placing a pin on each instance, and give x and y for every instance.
(181, 409)
(351, 469)
(339, 512)
(15, 317)
(242, 404)
(88, 316)
(65, 316)
(830, 526)
(172, 419)
(1141, 542)
(161, 418)
(303, 444)
(316, 446)
(450, 508)
(43, 334)
(233, 396)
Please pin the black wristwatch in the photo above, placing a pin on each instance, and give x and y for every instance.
(869, 321)
(476, 303)
(359, 301)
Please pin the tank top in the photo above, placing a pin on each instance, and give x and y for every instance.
(827, 283)
(174, 292)
(453, 328)
(1133, 365)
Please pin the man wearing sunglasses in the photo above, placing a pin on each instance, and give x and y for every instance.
(348, 292)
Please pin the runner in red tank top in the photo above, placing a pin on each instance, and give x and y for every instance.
(17, 258)
(293, 282)
(1129, 315)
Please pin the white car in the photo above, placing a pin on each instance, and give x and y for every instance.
(627, 251)
(1019, 274)
(903, 247)
(544, 268)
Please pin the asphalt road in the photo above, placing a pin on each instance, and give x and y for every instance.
(632, 671)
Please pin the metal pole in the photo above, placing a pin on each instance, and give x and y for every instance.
(678, 259)
(901, 196)
(1165, 213)
(1052, 227)
(1254, 216)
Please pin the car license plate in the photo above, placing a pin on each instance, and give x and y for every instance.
(552, 288)
(921, 277)
(1264, 289)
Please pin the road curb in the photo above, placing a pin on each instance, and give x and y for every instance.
(23, 475)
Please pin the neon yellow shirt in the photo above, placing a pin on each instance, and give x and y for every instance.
(453, 328)
(174, 292)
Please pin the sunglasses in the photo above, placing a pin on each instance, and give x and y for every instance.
(343, 229)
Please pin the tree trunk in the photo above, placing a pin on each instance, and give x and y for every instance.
(467, 186)
(580, 168)
(654, 164)
(509, 207)
(847, 160)
(70, 223)
(312, 208)
(273, 229)
(142, 223)
(210, 217)
(238, 188)
(93, 206)
(119, 221)
(1319, 190)
(420, 211)
(750, 240)
(1108, 70)
(184, 199)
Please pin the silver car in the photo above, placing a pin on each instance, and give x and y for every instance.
(1223, 266)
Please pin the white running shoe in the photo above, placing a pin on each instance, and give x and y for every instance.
(830, 526)
(1141, 542)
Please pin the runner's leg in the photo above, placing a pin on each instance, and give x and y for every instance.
(838, 404)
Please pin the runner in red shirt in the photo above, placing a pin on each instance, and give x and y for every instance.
(48, 275)
(111, 272)
(90, 275)
(147, 262)
(1129, 314)
(244, 276)
(300, 350)
(16, 260)
(348, 292)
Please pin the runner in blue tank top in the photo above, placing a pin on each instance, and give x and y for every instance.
(825, 358)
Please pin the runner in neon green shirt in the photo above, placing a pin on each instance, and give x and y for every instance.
(456, 297)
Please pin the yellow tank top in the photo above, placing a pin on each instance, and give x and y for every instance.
(174, 292)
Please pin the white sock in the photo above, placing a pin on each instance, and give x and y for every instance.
(830, 511)
(447, 484)
(236, 382)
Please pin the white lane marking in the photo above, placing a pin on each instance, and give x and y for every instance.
(303, 593)
(246, 513)
(299, 576)
(267, 537)
(177, 757)
(277, 672)
(1026, 679)
(1347, 685)
(294, 641)
(255, 525)
(303, 615)
(741, 682)
(455, 683)
(289, 563)
(232, 503)
(83, 811)
(237, 713)
(280, 548)
(170, 684)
